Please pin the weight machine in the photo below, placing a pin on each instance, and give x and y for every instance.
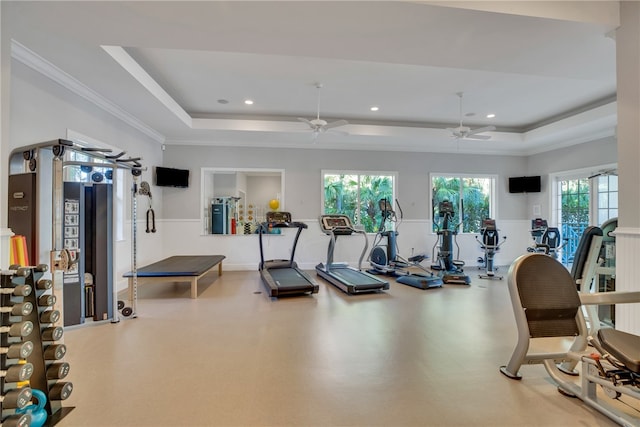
(490, 244)
(547, 305)
(451, 269)
(50, 185)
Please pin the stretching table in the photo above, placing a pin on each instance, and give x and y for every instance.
(180, 268)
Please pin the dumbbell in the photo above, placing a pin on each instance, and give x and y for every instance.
(19, 270)
(44, 284)
(19, 329)
(55, 351)
(41, 268)
(19, 350)
(18, 309)
(53, 333)
(17, 420)
(46, 300)
(57, 371)
(17, 373)
(16, 398)
(19, 291)
(60, 391)
(50, 316)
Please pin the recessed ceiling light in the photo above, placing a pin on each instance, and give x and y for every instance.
(223, 101)
(374, 108)
(470, 114)
(490, 116)
(248, 102)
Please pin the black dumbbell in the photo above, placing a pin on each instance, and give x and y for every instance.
(17, 420)
(57, 371)
(60, 391)
(19, 329)
(44, 284)
(16, 373)
(55, 351)
(46, 300)
(19, 291)
(18, 309)
(41, 268)
(50, 316)
(19, 350)
(16, 398)
(53, 333)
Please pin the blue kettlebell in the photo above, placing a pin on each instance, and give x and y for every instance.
(37, 412)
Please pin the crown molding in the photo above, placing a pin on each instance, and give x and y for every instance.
(34, 61)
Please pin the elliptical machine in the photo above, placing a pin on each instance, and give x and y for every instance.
(451, 269)
(385, 258)
(490, 244)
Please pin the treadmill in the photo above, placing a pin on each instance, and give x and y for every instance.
(348, 279)
(282, 277)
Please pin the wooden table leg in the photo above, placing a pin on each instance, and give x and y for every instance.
(194, 288)
(220, 269)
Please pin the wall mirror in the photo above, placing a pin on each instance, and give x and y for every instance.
(234, 201)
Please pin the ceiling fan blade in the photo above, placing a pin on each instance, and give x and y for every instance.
(335, 124)
(471, 136)
(305, 121)
(482, 129)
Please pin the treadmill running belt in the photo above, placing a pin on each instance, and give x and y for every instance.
(289, 278)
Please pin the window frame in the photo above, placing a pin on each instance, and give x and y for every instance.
(357, 221)
(493, 200)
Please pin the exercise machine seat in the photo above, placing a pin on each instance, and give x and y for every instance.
(623, 346)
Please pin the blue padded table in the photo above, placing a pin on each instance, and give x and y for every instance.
(180, 268)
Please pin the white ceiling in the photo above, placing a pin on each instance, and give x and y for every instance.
(165, 66)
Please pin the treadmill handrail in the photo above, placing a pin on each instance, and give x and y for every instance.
(332, 244)
(299, 225)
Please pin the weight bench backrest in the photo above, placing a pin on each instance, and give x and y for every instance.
(548, 296)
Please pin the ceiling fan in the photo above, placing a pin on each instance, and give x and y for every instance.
(464, 132)
(318, 125)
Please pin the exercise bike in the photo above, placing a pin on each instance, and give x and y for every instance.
(451, 269)
(490, 244)
(546, 240)
(384, 259)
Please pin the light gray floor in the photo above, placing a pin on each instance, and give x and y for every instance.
(234, 357)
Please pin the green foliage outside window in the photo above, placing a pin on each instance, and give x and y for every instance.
(471, 198)
(357, 197)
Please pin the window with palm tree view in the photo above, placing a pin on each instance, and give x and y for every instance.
(471, 196)
(357, 195)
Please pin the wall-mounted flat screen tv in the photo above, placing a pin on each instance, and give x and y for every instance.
(169, 177)
(524, 184)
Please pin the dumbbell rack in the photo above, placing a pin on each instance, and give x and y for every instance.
(45, 353)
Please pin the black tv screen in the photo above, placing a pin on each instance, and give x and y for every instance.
(524, 184)
(168, 177)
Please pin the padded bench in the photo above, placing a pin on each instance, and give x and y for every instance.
(180, 268)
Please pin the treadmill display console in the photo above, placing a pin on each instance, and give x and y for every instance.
(338, 224)
(278, 217)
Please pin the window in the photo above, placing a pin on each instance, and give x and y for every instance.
(607, 189)
(581, 200)
(357, 195)
(472, 198)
